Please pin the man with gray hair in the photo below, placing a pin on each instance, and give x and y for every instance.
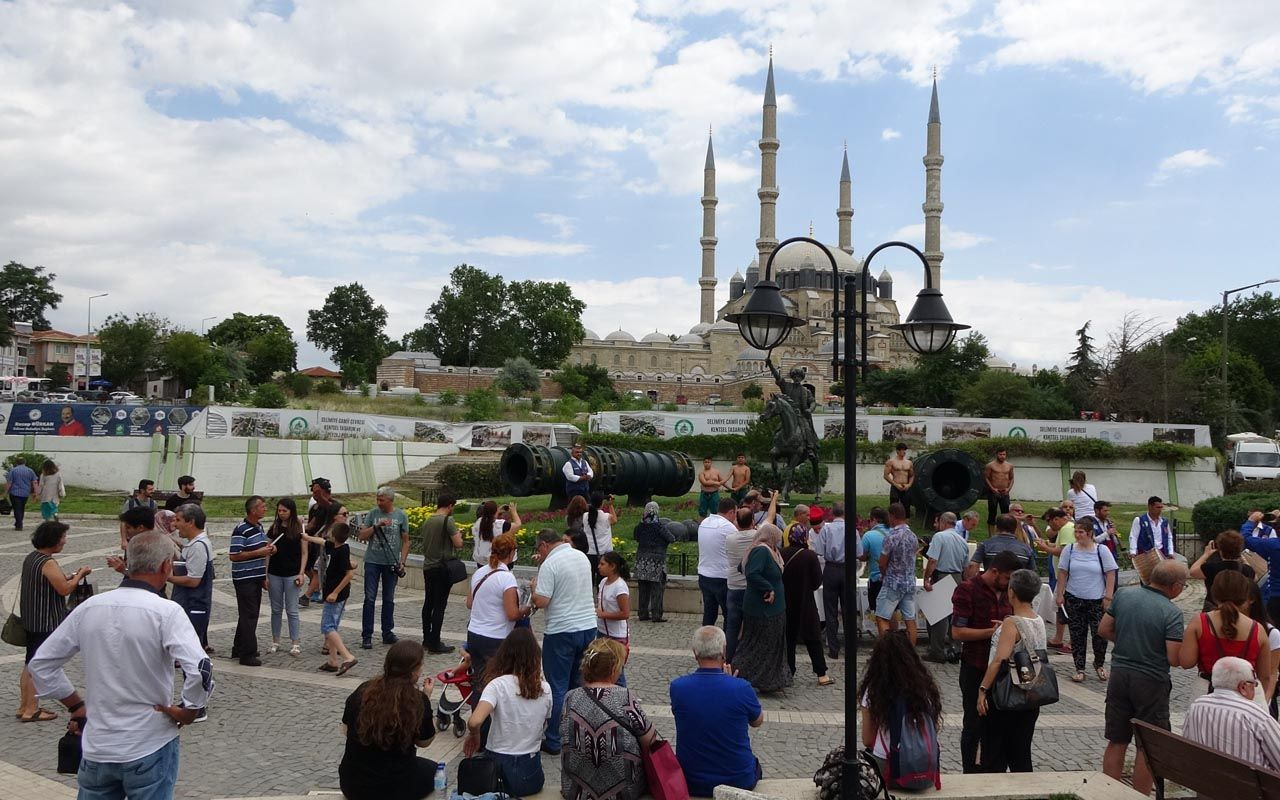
(967, 524)
(193, 579)
(564, 589)
(1229, 718)
(129, 639)
(386, 536)
(713, 709)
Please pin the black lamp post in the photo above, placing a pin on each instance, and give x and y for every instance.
(765, 323)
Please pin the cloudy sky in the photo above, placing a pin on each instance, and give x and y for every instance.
(201, 157)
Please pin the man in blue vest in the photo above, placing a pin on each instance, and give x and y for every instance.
(1151, 532)
(1259, 524)
(577, 474)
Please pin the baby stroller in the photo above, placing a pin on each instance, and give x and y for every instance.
(455, 691)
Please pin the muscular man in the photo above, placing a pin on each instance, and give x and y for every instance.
(711, 482)
(900, 474)
(999, 477)
(740, 478)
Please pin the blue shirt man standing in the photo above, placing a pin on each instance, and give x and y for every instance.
(20, 483)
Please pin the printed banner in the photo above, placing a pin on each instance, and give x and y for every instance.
(95, 419)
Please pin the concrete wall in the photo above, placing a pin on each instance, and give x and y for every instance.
(232, 466)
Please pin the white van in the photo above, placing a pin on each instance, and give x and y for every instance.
(1254, 460)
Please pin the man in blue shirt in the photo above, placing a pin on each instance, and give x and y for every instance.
(248, 553)
(20, 483)
(713, 709)
(872, 544)
(1259, 524)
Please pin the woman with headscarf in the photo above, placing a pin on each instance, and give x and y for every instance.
(652, 540)
(801, 577)
(761, 655)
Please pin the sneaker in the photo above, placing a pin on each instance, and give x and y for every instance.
(296, 650)
(366, 644)
(390, 638)
(440, 649)
(315, 597)
(201, 716)
(304, 601)
(273, 649)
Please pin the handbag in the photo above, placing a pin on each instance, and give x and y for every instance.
(456, 570)
(479, 775)
(661, 767)
(1026, 687)
(81, 592)
(69, 753)
(13, 632)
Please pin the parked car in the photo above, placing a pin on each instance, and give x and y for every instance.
(62, 397)
(1254, 460)
(126, 399)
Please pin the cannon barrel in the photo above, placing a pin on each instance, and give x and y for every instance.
(527, 469)
(948, 480)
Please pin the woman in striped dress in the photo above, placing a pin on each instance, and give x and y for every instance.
(42, 601)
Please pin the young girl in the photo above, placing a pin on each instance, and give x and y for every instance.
(613, 605)
(51, 490)
(285, 575)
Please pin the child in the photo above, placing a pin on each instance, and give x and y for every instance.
(613, 605)
(52, 490)
(337, 588)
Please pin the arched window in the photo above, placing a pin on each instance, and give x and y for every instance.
(631, 361)
(617, 359)
(653, 361)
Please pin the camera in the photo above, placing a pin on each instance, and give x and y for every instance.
(399, 570)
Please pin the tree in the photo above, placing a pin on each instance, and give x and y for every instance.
(266, 342)
(298, 384)
(26, 293)
(131, 345)
(939, 376)
(545, 321)
(752, 391)
(58, 374)
(584, 381)
(892, 386)
(517, 377)
(481, 404)
(186, 356)
(268, 395)
(995, 394)
(225, 372)
(1083, 369)
(350, 326)
(1130, 385)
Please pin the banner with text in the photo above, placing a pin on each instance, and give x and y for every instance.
(93, 419)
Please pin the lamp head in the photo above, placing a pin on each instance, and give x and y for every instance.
(929, 327)
(764, 322)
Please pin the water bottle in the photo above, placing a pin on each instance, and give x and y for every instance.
(442, 780)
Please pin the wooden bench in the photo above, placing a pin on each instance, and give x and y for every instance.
(1209, 772)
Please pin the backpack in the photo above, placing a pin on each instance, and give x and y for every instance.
(914, 752)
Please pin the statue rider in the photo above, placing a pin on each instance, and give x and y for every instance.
(801, 398)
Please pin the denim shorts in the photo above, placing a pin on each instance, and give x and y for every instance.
(894, 599)
(331, 616)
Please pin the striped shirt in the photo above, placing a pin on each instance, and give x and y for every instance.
(1227, 721)
(248, 536)
(41, 608)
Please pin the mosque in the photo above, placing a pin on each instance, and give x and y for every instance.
(712, 358)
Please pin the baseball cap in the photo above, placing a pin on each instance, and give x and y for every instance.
(323, 483)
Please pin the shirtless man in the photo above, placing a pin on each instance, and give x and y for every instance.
(999, 477)
(711, 482)
(900, 474)
(740, 478)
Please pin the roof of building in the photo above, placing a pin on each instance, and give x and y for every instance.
(723, 324)
(60, 336)
(700, 328)
(844, 168)
(320, 372)
(690, 338)
(885, 277)
(933, 104)
(711, 158)
(737, 277)
(656, 337)
(619, 336)
(801, 255)
(587, 333)
(752, 354)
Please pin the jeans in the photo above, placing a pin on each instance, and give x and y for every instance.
(372, 574)
(561, 661)
(248, 604)
(732, 622)
(284, 597)
(19, 509)
(331, 616)
(714, 597)
(522, 774)
(650, 596)
(151, 777)
(971, 728)
(833, 584)
(435, 584)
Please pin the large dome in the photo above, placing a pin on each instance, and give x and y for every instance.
(587, 333)
(700, 328)
(656, 337)
(724, 325)
(619, 336)
(690, 338)
(752, 354)
(800, 255)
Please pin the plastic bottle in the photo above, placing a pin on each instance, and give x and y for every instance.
(442, 780)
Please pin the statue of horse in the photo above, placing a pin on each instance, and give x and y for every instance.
(790, 444)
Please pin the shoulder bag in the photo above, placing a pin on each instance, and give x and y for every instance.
(1026, 679)
(13, 632)
(661, 768)
(480, 775)
(81, 592)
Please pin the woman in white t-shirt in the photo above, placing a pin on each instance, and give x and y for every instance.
(495, 607)
(516, 704)
(597, 526)
(494, 520)
(613, 602)
(1082, 495)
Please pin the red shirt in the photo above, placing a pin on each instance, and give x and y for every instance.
(974, 604)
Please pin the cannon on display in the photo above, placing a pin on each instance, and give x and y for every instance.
(527, 469)
(947, 480)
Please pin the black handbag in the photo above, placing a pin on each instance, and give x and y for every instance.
(81, 592)
(479, 775)
(1026, 680)
(69, 753)
(455, 568)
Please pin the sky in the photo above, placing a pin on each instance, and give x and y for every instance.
(202, 157)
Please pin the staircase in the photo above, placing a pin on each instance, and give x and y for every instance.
(423, 483)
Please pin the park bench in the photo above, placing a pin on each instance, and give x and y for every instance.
(1204, 770)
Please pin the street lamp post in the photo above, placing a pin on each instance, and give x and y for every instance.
(88, 336)
(765, 323)
(1226, 393)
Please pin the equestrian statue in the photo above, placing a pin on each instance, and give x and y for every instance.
(796, 440)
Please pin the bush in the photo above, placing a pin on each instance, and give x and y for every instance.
(762, 474)
(752, 391)
(448, 398)
(1268, 486)
(481, 404)
(299, 385)
(670, 407)
(471, 480)
(30, 458)
(327, 387)
(535, 403)
(268, 395)
(1218, 514)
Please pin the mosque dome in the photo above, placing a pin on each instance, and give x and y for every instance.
(619, 336)
(700, 328)
(656, 337)
(752, 354)
(587, 333)
(724, 325)
(737, 278)
(802, 255)
(690, 338)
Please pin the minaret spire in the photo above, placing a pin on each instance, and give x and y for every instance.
(933, 190)
(707, 282)
(844, 214)
(768, 192)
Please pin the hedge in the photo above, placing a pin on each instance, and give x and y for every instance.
(1218, 514)
(471, 480)
(1265, 486)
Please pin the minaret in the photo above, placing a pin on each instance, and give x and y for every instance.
(933, 190)
(845, 212)
(707, 313)
(768, 193)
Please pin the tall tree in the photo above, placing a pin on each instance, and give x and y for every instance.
(131, 345)
(545, 320)
(186, 356)
(939, 376)
(584, 381)
(1083, 369)
(350, 325)
(264, 340)
(26, 293)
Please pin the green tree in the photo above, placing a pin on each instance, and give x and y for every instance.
(1241, 406)
(1048, 396)
(752, 391)
(584, 381)
(939, 376)
(58, 374)
(350, 326)
(299, 385)
(225, 372)
(1083, 370)
(995, 393)
(517, 377)
(266, 342)
(26, 293)
(545, 320)
(186, 356)
(892, 386)
(448, 398)
(481, 404)
(131, 345)
(268, 395)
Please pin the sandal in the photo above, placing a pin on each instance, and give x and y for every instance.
(345, 667)
(296, 650)
(825, 680)
(1101, 672)
(327, 667)
(41, 715)
(1078, 677)
(274, 648)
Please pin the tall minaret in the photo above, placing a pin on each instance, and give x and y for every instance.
(933, 190)
(845, 212)
(768, 193)
(708, 240)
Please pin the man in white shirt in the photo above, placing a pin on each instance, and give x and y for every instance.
(193, 590)
(1228, 718)
(577, 473)
(130, 638)
(713, 562)
(563, 587)
(736, 547)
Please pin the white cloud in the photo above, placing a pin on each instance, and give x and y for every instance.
(1183, 162)
(1046, 268)
(562, 224)
(889, 134)
(951, 239)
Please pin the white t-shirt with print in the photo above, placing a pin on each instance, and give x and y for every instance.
(518, 722)
(609, 594)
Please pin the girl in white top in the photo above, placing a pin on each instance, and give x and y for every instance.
(494, 520)
(495, 606)
(51, 490)
(613, 603)
(1082, 496)
(1006, 738)
(597, 524)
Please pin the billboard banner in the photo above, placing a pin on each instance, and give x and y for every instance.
(95, 419)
